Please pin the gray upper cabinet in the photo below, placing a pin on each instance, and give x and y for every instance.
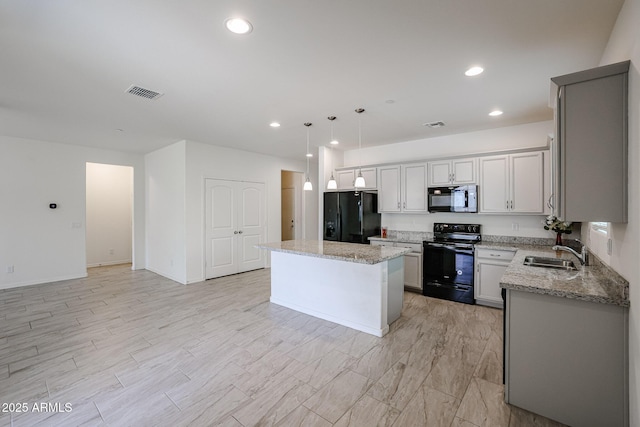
(590, 153)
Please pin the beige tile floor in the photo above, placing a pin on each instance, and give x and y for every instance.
(131, 348)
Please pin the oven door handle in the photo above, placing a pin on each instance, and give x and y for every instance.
(466, 250)
(436, 245)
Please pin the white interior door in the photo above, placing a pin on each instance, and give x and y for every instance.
(221, 224)
(235, 221)
(251, 225)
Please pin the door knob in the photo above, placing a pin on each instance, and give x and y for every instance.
(240, 232)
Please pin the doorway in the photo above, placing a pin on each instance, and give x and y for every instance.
(291, 205)
(109, 210)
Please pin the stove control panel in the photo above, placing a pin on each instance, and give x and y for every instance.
(440, 227)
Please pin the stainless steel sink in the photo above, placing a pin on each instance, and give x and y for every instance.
(536, 261)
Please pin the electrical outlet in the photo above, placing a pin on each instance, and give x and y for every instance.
(10, 269)
(515, 226)
(111, 251)
(609, 246)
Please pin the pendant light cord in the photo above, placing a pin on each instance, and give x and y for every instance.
(360, 111)
(307, 154)
(331, 118)
(359, 143)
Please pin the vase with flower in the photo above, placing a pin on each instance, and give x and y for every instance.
(558, 225)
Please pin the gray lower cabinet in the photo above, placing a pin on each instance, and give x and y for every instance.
(590, 155)
(490, 266)
(566, 359)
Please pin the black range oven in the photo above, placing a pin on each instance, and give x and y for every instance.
(448, 262)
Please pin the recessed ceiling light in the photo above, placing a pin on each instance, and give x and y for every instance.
(274, 124)
(495, 113)
(473, 71)
(238, 25)
(334, 142)
(309, 155)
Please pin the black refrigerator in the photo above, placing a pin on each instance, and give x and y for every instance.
(351, 216)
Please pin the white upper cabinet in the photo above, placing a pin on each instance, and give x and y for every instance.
(452, 172)
(389, 189)
(527, 183)
(494, 185)
(347, 177)
(403, 188)
(414, 188)
(513, 183)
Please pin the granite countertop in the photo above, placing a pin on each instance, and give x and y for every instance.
(594, 283)
(350, 252)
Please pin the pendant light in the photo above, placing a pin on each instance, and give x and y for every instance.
(307, 184)
(332, 184)
(359, 183)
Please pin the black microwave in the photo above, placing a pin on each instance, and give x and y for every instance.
(453, 199)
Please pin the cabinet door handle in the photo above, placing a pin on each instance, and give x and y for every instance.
(495, 255)
(398, 205)
(235, 232)
(507, 205)
(512, 205)
(404, 205)
(240, 232)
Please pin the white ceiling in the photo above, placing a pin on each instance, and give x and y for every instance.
(65, 66)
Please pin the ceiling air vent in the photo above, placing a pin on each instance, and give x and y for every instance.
(434, 124)
(144, 93)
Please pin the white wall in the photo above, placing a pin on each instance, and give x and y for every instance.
(45, 245)
(531, 135)
(624, 44)
(165, 203)
(207, 161)
(109, 214)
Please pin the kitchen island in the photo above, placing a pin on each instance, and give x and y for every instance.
(355, 285)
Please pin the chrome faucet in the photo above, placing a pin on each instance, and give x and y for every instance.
(583, 256)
